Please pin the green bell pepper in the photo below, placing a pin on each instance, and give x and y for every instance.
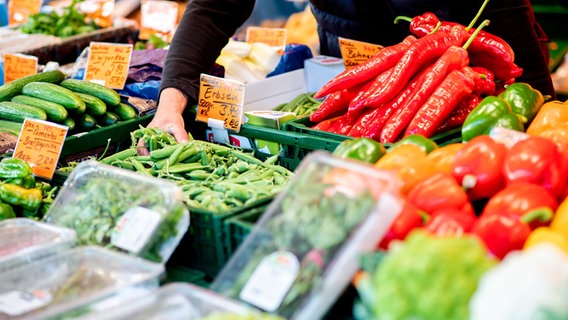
(427, 144)
(523, 99)
(11, 168)
(6, 211)
(490, 112)
(362, 149)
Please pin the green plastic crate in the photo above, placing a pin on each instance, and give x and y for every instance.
(238, 227)
(175, 273)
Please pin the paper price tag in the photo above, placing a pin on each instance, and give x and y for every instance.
(135, 228)
(20, 10)
(108, 64)
(221, 99)
(98, 10)
(356, 52)
(40, 145)
(506, 136)
(17, 66)
(158, 17)
(16, 303)
(275, 37)
(271, 280)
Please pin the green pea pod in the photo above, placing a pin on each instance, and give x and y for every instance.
(490, 112)
(362, 149)
(427, 144)
(29, 199)
(523, 99)
(6, 211)
(11, 168)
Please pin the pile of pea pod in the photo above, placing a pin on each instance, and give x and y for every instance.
(212, 177)
(303, 105)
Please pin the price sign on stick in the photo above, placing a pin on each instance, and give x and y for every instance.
(275, 37)
(356, 52)
(17, 66)
(19, 10)
(221, 99)
(40, 145)
(108, 64)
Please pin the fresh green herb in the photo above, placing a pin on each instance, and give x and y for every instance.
(71, 22)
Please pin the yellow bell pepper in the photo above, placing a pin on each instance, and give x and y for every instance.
(443, 157)
(556, 233)
(410, 164)
(549, 115)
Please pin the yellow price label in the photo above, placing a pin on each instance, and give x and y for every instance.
(158, 17)
(20, 10)
(17, 66)
(40, 145)
(221, 99)
(108, 64)
(356, 52)
(275, 37)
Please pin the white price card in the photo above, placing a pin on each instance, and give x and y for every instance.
(19, 302)
(135, 228)
(271, 280)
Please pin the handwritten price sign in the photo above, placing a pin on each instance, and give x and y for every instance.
(40, 145)
(108, 64)
(17, 66)
(19, 10)
(221, 99)
(356, 52)
(275, 37)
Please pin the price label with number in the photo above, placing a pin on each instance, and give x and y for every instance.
(158, 17)
(40, 145)
(108, 64)
(275, 37)
(20, 10)
(221, 99)
(17, 66)
(356, 52)
(101, 11)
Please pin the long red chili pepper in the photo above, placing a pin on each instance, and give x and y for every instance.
(457, 117)
(381, 61)
(418, 55)
(336, 103)
(485, 83)
(457, 85)
(372, 87)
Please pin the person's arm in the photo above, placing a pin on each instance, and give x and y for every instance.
(204, 29)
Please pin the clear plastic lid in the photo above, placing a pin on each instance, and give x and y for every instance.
(70, 281)
(174, 301)
(305, 249)
(122, 210)
(23, 240)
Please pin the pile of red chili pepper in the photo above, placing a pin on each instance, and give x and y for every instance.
(426, 84)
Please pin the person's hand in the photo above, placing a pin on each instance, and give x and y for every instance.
(168, 117)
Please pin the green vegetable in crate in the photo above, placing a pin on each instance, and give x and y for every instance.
(109, 96)
(12, 127)
(6, 211)
(523, 99)
(107, 119)
(429, 277)
(427, 144)
(491, 112)
(94, 106)
(85, 122)
(70, 22)
(28, 199)
(13, 88)
(303, 105)
(125, 112)
(13, 111)
(362, 149)
(54, 111)
(14, 168)
(54, 93)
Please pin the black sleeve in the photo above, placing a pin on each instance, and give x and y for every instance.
(204, 29)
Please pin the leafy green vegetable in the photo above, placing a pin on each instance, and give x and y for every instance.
(71, 22)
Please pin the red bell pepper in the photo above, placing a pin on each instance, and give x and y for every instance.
(477, 167)
(451, 222)
(510, 215)
(537, 160)
(407, 220)
(438, 192)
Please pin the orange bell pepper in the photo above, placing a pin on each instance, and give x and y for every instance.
(443, 157)
(549, 115)
(410, 164)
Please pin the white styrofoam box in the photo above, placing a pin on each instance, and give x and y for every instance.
(320, 69)
(270, 92)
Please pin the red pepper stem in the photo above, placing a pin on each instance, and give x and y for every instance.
(438, 25)
(403, 18)
(479, 12)
(543, 214)
(475, 33)
(424, 216)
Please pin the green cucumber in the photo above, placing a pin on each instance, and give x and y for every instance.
(10, 126)
(55, 112)
(18, 112)
(54, 93)
(107, 119)
(85, 122)
(14, 88)
(109, 96)
(70, 123)
(94, 106)
(125, 112)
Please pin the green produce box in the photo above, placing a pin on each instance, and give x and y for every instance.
(238, 227)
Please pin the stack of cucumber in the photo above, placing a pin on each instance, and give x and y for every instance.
(78, 104)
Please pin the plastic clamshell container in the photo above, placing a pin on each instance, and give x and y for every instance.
(23, 240)
(70, 283)
(305, 249)
(121, 210)
(174, 301)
